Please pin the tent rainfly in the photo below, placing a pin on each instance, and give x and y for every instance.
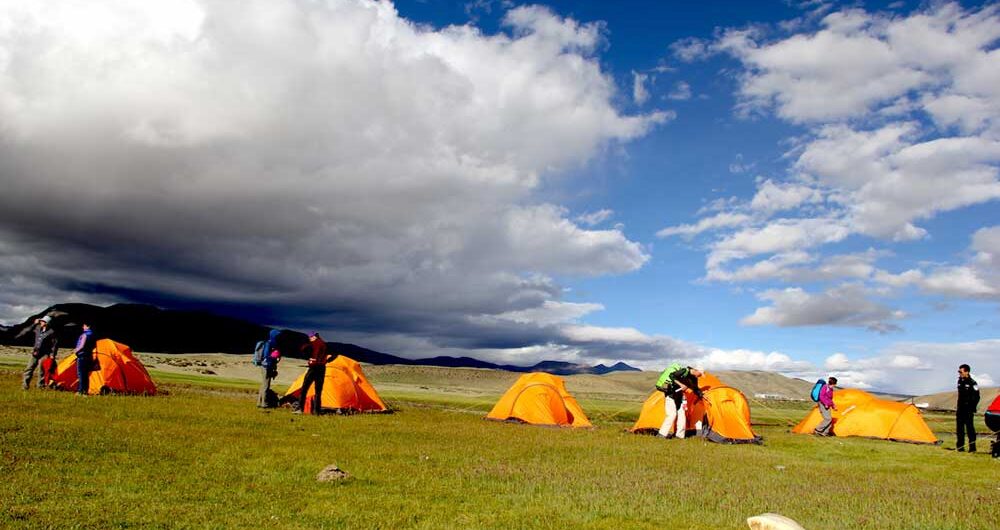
(539, 399)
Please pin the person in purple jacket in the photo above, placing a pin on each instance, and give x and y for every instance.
(84, 359)
(825, 427)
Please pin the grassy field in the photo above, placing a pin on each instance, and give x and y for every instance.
(203, 456)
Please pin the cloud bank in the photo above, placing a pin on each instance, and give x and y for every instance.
(327, 164)
(901, 121)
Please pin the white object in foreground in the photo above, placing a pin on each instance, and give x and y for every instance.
(772, 521)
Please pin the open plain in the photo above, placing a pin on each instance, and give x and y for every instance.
(201, 455)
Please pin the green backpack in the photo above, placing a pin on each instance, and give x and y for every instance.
(665, 376)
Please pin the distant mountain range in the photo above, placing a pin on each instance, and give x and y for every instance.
(147, 328)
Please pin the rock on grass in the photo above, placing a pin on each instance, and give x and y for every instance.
(332, 473)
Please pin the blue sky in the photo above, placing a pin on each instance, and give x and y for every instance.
(803, 187)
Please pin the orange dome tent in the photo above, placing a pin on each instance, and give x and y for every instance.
(116, 370)
(345, 389)
(539, 399)
(859, 413)
(724, 413)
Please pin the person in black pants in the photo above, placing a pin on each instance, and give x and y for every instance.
(965, 411)
(84, 359)
(315, 373)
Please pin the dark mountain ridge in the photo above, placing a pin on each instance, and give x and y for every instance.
(147, 328)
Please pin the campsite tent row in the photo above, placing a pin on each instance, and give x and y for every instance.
(116, 370)
(542, 399)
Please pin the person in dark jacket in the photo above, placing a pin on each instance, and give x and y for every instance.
(269, 368)
(84, 352)
(965, 411)
(315, 373)
(46, 346)
(673, 382)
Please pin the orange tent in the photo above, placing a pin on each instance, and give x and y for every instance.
(539, 399)
(116, 370)
(724, 413)
(345, 389)
(859, 413)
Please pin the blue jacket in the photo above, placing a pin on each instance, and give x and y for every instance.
(269, 346)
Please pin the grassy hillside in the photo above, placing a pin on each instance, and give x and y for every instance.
(203, 456)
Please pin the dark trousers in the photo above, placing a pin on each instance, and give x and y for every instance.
(314, 376)
(83, 365)
(963, 424)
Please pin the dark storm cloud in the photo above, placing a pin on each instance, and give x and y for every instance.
(309, 165)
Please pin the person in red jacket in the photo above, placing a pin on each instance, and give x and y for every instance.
(315, 373)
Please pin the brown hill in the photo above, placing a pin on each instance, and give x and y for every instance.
(946, 400)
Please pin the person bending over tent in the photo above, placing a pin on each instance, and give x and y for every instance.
(673, 382)
(826, 404)
(84, 352)
(315, 374)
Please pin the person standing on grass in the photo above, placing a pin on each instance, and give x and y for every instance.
(46, 346)
(673, 382)
(269, 367)
(825, 403)
(965, 411)
(315, 373)
(84, 352)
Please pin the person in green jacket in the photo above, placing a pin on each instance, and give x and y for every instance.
(673, 382)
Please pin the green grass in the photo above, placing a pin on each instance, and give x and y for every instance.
(203, 456)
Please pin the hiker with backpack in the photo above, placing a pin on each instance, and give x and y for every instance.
(315, 373)
(822, 394)
(266, 354)
(673, 382)
(44, 352)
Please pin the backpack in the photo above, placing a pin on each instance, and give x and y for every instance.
(258, 353)
(663, 384)
(816, 389)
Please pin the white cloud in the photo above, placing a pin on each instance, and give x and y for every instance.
(918, 367)
(721, 220)
(639, 92)
(961, 282)
(691, 49)
(652, 352)
(837, 361)
(777, 266)
(978, 278)
(681, 91)
(774, 197)
(595, 218)
(781, 235)
(797, 266)
(551, 312)
(739, 166)
(902, 119)
(847, 305)
(718, 359)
